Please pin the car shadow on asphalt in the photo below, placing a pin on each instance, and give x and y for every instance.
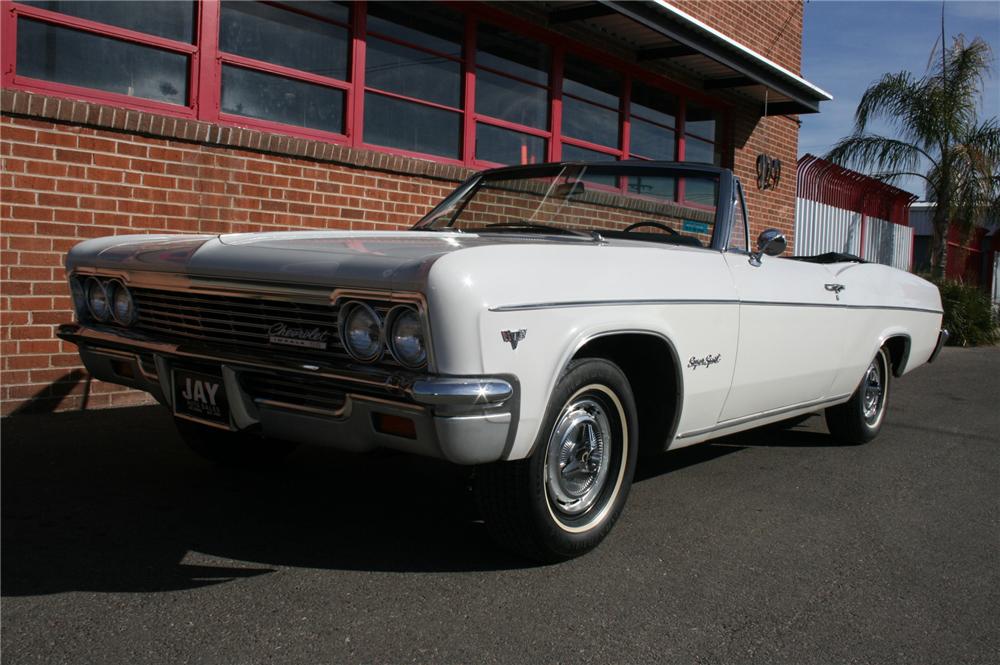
(112, 501)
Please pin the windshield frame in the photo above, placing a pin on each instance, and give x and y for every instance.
(464, 192)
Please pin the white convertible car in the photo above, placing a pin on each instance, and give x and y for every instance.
(546, 323)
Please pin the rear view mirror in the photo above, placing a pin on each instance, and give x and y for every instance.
(771, 242)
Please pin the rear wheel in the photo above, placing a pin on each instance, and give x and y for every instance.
(859, 419)
(563, 500)
(234, 449)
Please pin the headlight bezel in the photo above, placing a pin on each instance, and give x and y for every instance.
(392, 320)
(347, 310)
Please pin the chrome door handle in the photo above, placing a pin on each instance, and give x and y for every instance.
(836, 289)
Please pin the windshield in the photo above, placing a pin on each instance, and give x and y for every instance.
(640, 202)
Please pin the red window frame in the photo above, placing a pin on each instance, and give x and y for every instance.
(205, 76)
(214, 8)
(12, 11)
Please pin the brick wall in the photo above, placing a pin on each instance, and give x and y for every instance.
(62, 183)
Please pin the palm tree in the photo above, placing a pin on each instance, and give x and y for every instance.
(939, 137)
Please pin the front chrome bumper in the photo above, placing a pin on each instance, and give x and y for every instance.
(466, 420)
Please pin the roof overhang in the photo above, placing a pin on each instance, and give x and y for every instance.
(658, 31)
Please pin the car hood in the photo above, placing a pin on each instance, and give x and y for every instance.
(398, 260)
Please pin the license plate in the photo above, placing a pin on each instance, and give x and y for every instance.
(200, 396)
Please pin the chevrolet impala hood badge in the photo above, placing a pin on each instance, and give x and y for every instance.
(310, 338)
(513, 336)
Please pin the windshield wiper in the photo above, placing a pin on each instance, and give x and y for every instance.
(515, 226)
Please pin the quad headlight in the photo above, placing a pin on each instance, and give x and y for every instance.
(97, 300)
(406, 336)
(122, 305)
(361, 331)
(103, 300)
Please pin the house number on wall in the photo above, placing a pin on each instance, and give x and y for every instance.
(768, 172)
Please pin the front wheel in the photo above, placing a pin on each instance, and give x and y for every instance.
(563, 500)
(859, 419)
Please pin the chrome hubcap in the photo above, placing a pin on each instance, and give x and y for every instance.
(874, 394)
(577, 458)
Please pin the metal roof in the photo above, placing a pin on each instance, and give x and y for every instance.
(658, 31)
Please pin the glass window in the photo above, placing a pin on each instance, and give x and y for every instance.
(271, 34)
(268, 97)
(511, 53)
(700, 121)
(653, 104)
(572, 153)
(164, 18)
(413, 73)
(500, 97)
(652, 141)
(421, 23)
(738, 235)
(590, 81)
(62, 55)
(589, 122)
(396, 123)
(504, 146)
(659, 187)
(701, 191)
(700, 151)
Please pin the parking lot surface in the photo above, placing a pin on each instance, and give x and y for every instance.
(119, 546)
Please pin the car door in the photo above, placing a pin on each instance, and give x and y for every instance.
(788, 351)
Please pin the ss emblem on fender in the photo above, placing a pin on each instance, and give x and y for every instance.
(513, 336)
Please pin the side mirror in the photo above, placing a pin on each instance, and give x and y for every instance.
(771, 242)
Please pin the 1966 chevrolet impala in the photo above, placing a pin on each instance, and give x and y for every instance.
(546, 323)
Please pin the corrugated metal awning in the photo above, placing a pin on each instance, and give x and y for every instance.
(657, 30)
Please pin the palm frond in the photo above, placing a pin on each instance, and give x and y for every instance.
(873, 153)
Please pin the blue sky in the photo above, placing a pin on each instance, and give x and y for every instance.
(848, 45)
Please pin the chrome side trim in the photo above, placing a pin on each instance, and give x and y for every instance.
(681, 301)
(606, 303)
(461, 391)
(725, 424)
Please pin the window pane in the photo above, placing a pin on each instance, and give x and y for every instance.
(265, 32)
(701, 191)
(590, 81)
(696, 150)
(421, 23)
(269, 97)
(590, 123)
(67, 56)
(413, 73)
(738, 234)
(651, 140)
(163, 18)
(512, 53)
(503, 146)
(700, 121)
(400, 124)
(572, 153)
(654, 186)
(501, 97)
(653, 104)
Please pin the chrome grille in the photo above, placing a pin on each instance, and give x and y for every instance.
(297, 393)
(239, 321)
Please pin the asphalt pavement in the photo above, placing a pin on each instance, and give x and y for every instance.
(774, 546)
